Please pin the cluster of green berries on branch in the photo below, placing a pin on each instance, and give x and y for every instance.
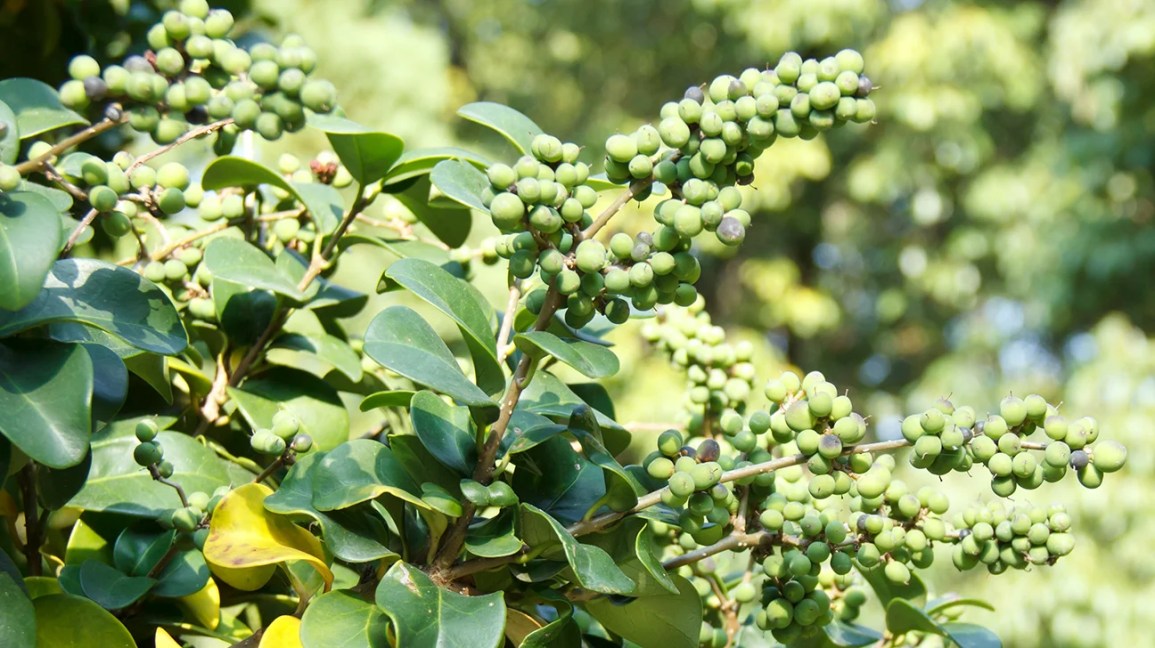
(720, 373)
(191, 519)
(194, 74)
(284, 436)
(707, 142)
(816, 504)
(947, 438)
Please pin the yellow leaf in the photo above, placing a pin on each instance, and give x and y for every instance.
(518, 625)
(246, 579)
(204, 605)
(244, 535)
(283, 632)
(164, 639)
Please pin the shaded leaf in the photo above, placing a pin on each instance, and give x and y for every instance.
(851, 635)
(420, 161)
(494, 537)
(460, 182)
(553, 477)
(111, 588)
(446, 219)
(324, 203)
(10, 137)
(659, 620)
(17, 619)
(445, 430)
(330, 349)
(593, 568)
(427, 616)
(108, 297)
(46, 398)
(391, 398)
(27, 248)
(914, 591)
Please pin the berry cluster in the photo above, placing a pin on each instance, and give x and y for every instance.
(191, 519)
(1001, 537)
(947, 438)
(194, 73)
(720, 373)
(282, 437)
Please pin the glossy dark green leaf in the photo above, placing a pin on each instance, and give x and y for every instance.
(902, 616)
(511, 124)
(37, 106)
(243, 313)
(315, 404)
(401, 340)
(619, 484)
(660, 620)
(46, 398)
(325, 204)
(427, 616)
(328, 348)
(17, 619)
(110, 382)
(562, 632)
(367, 154)
(10, 137)
(420, 161)
(341, 619)
(243, 263)
(421, 465)
(445, 430)
(548, 396)
(358, 471)
(57, 486)
(914, 591)
(631, 546)
(970, 635)
(116, 484)
(105, 296)
(494, 537)
(356, 534)
(459, 182)
(61, 200)
(553, 477)
(186, 573)
(404, 249)
(591, 360)
(851, 635)
(152, 368)
(111, 588)
(139, 548)
(445, 218)
(593, 568)
(391, 398)
(462, 303)
(27, 248)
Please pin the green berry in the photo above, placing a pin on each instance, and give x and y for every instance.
(146, 430)
(147, 453)
(1109, 456)
(103, 199)
(9, 177)
(590, 256)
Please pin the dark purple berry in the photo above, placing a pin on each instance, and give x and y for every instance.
(695, 94)
(138, 64)
(687, 451)
(864, 86)
(709, 450)
(95, 88)
(1079, 459)
(730, 231)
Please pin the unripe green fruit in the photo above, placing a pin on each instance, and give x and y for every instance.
(507, 211)
(874, 483)
(621, 148)
(1090, 476)
(94, 172)
(674, 132)
(1109, 456)
(789, 67)
(173, 175)
(147, 453)
(146, 430)
(170, 201)
(9, 177)
(866, 111)
(185, 519)
(116, 224)
(705, 475)
(590, 256)
(681, 484)
(102, 198)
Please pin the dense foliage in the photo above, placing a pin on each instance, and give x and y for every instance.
(182, 371)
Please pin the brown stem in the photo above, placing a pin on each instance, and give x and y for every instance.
(270, 469)
(503, 346)
(37, 163)
(152, 470)
(32, 530)
(614, 207)
(75, 235)
(199, 131)
(736, 541)
(454, 539)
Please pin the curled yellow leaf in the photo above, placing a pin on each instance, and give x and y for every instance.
(164, 639)
(243, 535)
(203, 606)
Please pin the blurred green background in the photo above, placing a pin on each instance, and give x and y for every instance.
(991, 233)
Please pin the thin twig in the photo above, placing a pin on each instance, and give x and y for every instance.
(199, 131)
(37, 163)
(736, 541)
(270, 469)
(75, 235)
(614, 207)
(32, 530)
